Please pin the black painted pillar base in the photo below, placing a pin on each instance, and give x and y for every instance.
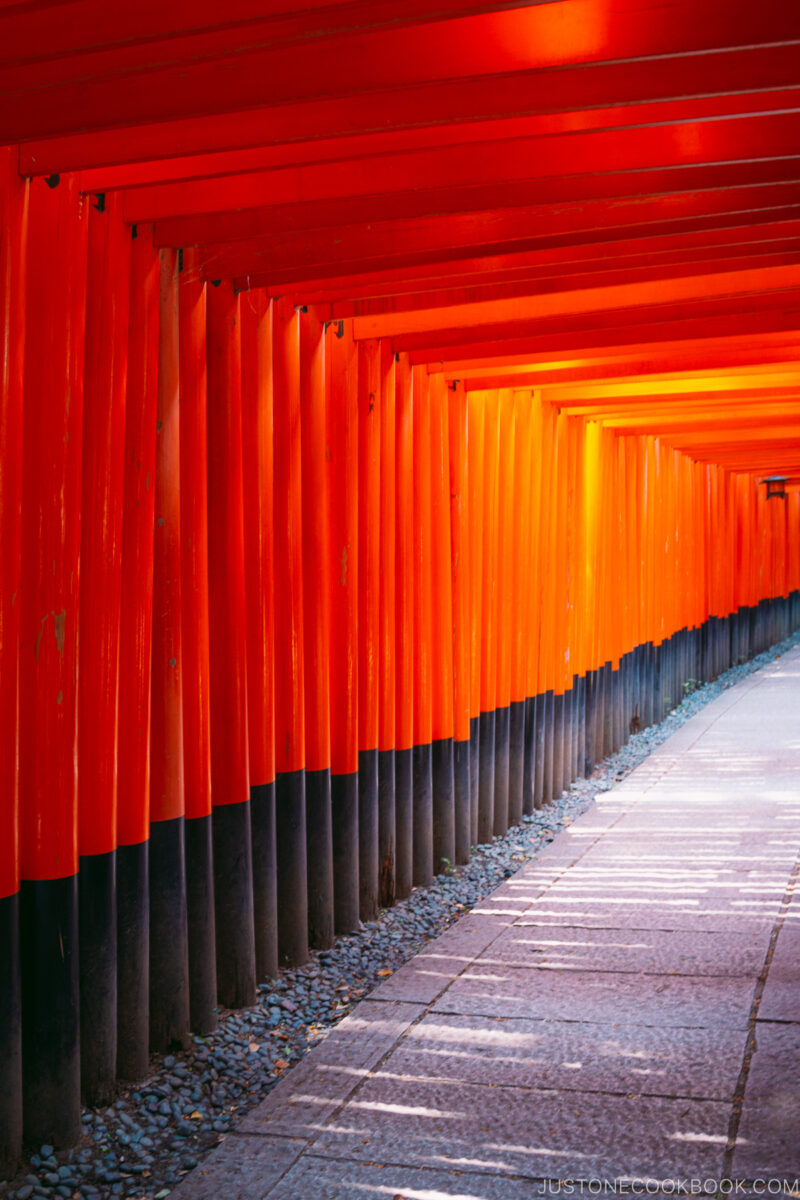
(344, 813)
(10, 1038)
(290, 838)
(97, 933)
(557, 782)
(386, 829)
(50, 990)
(529, 756)
(169, 949)
(368, 868)
(502, 721)
(589, 724)
(423, 815)
(233, 905)
(486, 777)
(265, 879)
(444, 814)
(474, 777)
(516, 761)
(319, 850)
(461, 792)
(539, 748)
(548, 746)
(404, 822)
(201, 923)
(133, 961)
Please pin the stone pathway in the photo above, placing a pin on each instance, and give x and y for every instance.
(598, 1018)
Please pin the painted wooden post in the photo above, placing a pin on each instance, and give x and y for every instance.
(48, 663)
(107, 306)
(290, 747)
(404, 628)
(230, 767)
(316, 628)
(342, 585)
(387, 633)
(257, 456)
(444, 819)
(196, 674)
(169, 955)
(423, 636)
(461, 581)
(14, 194)
(135, 665)
(505, 554)
(486, 783)
(369, 529)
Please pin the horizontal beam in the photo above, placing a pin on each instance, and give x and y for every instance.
(578, 335)
(118, 87)
(548, 94)
(736, 140)
(269, 157)
(504, 313)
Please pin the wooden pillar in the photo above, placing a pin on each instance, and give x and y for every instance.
(316, 625)
(342, 587)
(13, 250)
(369, 529)
(107, 306)
(230, 768)
(387, 633)
(423, 636)
(444, 819)
(135, 663)
(462, 628)
(404, 628)
(257, 452)
(48, 663)
(169, 961)
(196, 675)
(290, 749)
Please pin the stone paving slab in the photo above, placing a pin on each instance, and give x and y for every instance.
(659, 952)
(242, 1168)
(635, 999)
(573, 1056)
(732, 913)
(768, 1143)
(317, 1086)
(781, 998)
(526, 1132)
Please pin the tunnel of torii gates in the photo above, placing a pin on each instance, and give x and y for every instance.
(388, 391)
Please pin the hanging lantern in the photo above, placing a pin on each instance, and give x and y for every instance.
(776, 487)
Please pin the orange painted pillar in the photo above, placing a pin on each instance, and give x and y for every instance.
(169, 961)
(48, 661)
(460, 565)
(135, 660)
(404, 627)
(259, 562)
(13, 249)
(342, 588)
(290, 747)
(230, 766)
(423, 635)
(196, 674)
(369, 529)
(107, 306)
(534, 759)
(506, 553)
(475, 468)
(489, 606)
(316, 624)
(520, 565)
(387, 634)
(444, 818)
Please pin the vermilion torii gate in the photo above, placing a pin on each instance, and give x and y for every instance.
(386, 391)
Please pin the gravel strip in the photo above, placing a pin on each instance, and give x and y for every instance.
(142, 1145)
